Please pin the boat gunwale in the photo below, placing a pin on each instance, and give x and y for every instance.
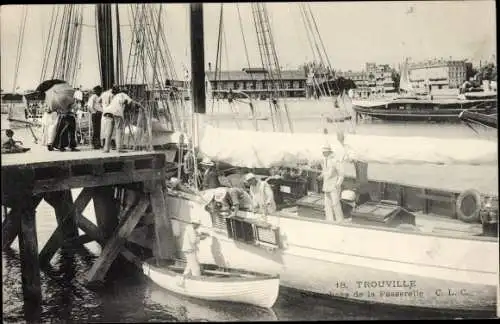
(281, 214)
(202, 278)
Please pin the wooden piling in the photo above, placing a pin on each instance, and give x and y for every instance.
(67, 214)
(115, 243)
(30, 268)
(106, 209)
(164, 247)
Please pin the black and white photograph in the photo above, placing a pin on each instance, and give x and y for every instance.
(249, 161)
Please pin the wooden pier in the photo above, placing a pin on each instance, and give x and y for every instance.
(123, 187)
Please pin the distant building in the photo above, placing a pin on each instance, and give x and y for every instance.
(438, 74)
(375, 79)
(257, 83)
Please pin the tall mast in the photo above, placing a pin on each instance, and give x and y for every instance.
(197, 66)
(105, 41)
(197, 58)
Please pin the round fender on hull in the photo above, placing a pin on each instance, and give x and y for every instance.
(468, 205)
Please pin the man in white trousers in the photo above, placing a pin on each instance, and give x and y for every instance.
(333, 176)
(190, 241)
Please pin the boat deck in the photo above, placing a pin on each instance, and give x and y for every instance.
(426, 223)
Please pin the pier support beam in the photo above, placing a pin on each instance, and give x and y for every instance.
(115, 243)
(106, 209)
(67, 214)
(11, 225)
(164, 247)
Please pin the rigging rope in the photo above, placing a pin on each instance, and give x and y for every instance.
(20, 42)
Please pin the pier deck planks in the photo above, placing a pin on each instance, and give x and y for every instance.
(60, 171)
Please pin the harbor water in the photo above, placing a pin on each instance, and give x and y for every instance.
(135, 299)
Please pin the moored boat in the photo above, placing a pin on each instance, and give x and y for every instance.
(478, 118)
(409, 109)
(368, 259)
(217, 283)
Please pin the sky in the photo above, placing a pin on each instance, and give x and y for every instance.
(353, 33)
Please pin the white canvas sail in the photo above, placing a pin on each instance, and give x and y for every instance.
(259, 149)
(404, 82)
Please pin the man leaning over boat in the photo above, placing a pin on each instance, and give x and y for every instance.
(228, 201)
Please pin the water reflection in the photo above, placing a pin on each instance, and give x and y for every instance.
(132, 298)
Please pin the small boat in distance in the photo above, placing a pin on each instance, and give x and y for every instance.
(481, 119)
(216, 283)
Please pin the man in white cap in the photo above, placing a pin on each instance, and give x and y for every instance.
(262, 195)
(210, 177)
(190, 242)
(333, 176)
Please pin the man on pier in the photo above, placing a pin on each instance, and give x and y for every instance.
(333, 176)
(59, 98)
(106, 97)
(94, 106)
(113, 118)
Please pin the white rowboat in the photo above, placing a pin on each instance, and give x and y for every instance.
(217, 284)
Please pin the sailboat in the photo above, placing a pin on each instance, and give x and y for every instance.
(413, 105)
(386, 254)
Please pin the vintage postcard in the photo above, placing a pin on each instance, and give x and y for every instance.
(279, 161)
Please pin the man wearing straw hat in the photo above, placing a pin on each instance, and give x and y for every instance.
(333, 176)
(210, 177)
(190, 242)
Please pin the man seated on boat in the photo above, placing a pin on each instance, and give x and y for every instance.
(332, 175)
(262, 195)
(228, 201)
(191, 238)
(210, 178)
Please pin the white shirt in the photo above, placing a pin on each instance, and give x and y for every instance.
(333, 174)
(106, 97)
(78, 95)
(263, 196)
(190, 239)
(94, 104)
(117, 104)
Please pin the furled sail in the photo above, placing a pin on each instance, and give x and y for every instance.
(404, 82)
(266, 149)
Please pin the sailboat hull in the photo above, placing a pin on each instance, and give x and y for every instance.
(423, 110)
(362, 263)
